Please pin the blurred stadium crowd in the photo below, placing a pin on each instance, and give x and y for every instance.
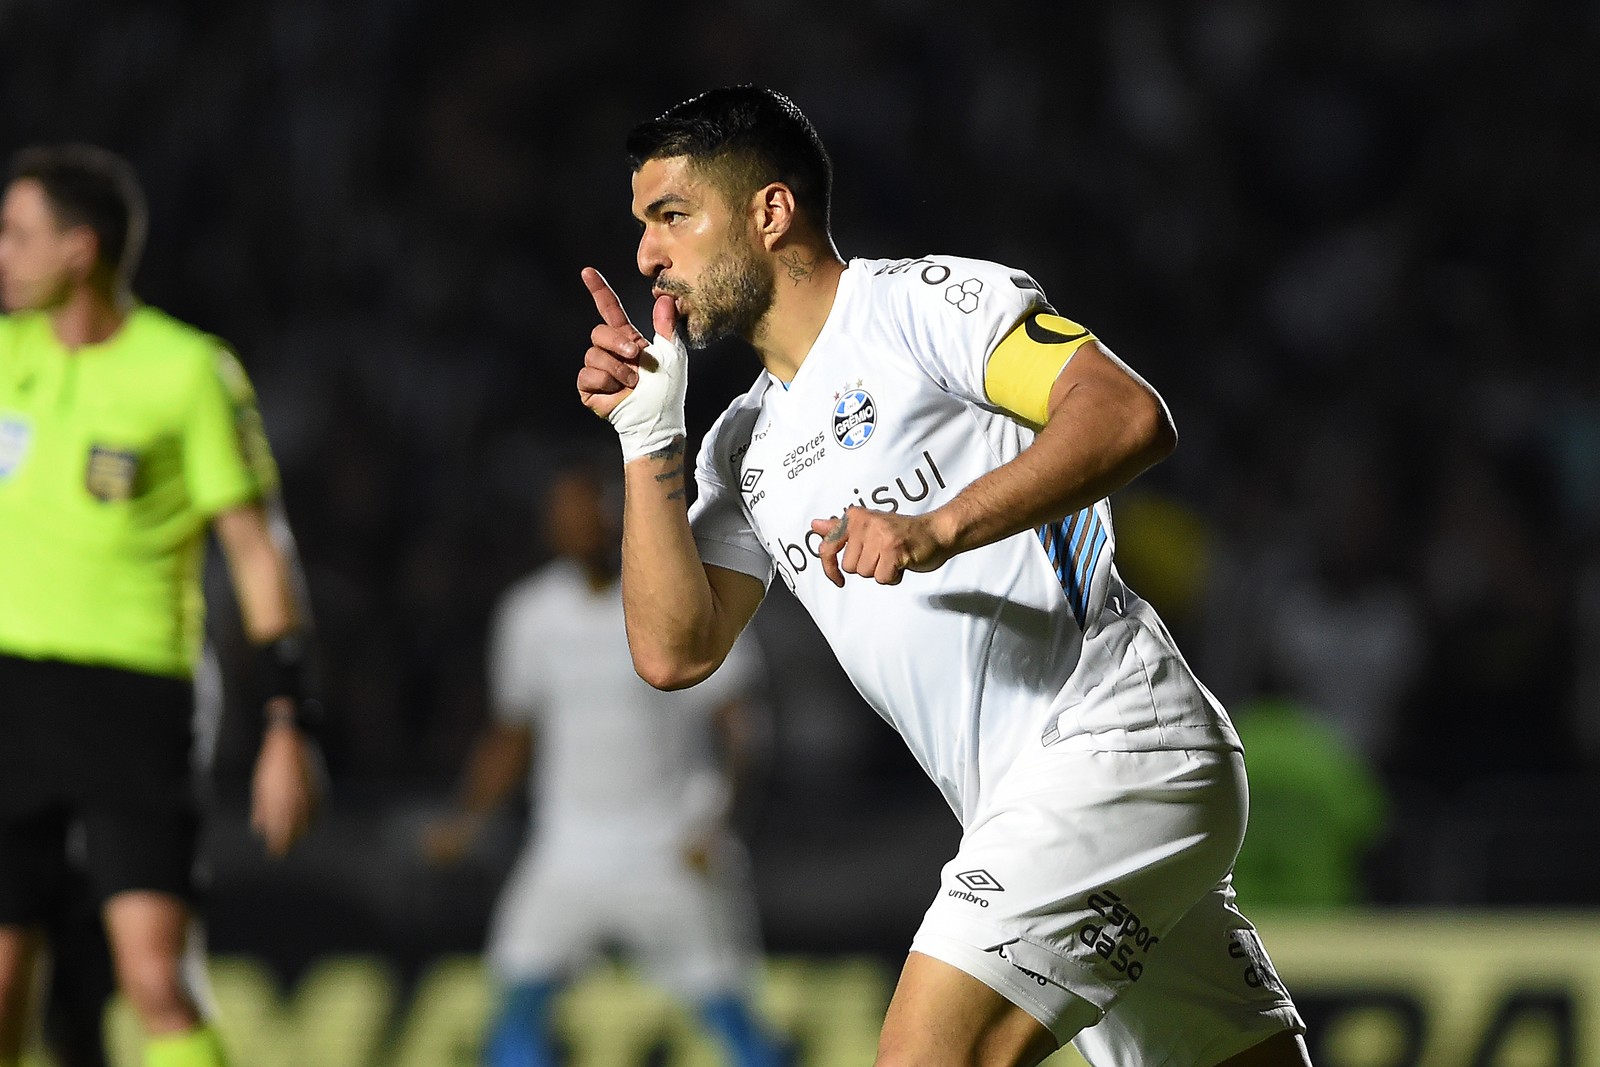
(1355, 247)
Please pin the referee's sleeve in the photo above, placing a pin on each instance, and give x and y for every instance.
(226, 460)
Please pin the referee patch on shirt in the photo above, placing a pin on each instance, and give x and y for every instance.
(111, 473)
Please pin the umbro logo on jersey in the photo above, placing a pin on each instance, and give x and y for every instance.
(747, 485)
(855, 417)
(980, 880)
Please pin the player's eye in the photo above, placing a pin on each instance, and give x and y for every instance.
(672, 217)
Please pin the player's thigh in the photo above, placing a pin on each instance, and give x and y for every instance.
(942, 1015)
(1211, 993)
(1065, 886)
(695, 931)
(550, 916)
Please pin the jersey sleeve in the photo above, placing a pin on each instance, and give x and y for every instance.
(226, 459)
(722, 532)
(516, 675)
(954, 313)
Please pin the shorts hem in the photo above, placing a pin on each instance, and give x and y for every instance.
(1063, 970)
(1059, 1019)
(1281, 1017)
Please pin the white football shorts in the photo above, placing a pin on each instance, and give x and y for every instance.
(1094, 892)
(693, 933)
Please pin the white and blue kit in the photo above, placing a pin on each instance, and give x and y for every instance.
(626, 781)
(1033, 687)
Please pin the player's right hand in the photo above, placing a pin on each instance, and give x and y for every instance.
(611, 366)
(638, 386)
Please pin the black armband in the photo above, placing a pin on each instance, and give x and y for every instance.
(283, 669)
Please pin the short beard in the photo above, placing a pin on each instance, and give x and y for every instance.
(734, 293)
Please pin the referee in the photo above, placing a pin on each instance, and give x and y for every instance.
(125, 436)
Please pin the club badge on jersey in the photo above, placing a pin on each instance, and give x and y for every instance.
(855, 416)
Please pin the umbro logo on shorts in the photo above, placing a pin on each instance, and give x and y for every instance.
(980, 880)
(976, 879)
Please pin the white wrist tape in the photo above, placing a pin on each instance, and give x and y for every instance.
(651, 417)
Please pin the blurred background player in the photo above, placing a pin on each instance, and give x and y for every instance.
(125, 436)
(631, 843)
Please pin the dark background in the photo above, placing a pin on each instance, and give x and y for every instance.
(1355, 248)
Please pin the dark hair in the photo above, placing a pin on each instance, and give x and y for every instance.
(755, 135)
(89, 186)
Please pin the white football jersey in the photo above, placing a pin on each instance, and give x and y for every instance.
(1033, 637)
(617, 763)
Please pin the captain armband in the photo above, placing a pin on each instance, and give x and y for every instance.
(283, 669)
(1025, 364)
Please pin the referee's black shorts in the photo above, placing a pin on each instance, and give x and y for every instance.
(109, 750)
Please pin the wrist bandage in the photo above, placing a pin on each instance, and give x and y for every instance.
(651, 417)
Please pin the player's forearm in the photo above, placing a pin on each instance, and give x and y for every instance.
(1095, 442)
(667, 599)
(262, 572)
(498, 763)
(255, 539)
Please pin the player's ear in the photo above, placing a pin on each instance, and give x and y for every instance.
(82, 250)
(773, 207)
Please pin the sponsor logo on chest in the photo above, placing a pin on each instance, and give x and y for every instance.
(918, 483)
(771, 459)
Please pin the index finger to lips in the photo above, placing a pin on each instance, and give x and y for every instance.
(605, 299)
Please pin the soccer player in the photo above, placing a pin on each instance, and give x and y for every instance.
(925, 460)
(125, 436)
(630, 843)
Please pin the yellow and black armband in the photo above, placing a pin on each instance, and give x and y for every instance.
(1025, 364)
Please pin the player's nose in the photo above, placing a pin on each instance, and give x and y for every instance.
(651, 259)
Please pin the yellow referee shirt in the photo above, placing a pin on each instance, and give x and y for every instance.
(113, 459)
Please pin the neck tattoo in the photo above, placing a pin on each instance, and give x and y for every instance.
(797, 266)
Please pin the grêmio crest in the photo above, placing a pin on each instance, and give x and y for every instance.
(855, 416)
